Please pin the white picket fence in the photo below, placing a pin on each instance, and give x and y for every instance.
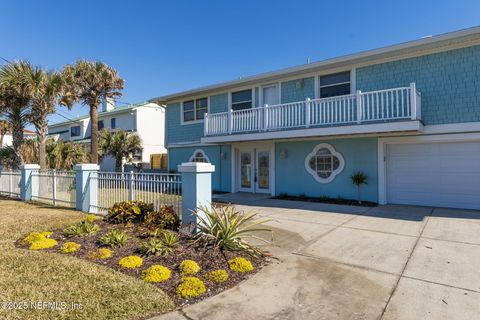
(10, 183)
(113, 187)
(57, 188)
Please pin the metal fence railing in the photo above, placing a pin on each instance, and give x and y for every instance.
(157, 188)
(57, 188)
(10, 184)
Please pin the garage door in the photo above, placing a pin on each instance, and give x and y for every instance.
(434, 174)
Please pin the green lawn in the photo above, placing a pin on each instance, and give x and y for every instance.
(28, 276)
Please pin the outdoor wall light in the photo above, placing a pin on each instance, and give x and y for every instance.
(299, 84)
(223, 155)
(283, 153)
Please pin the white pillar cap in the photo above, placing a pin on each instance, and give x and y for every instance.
(87, 166)
(30, 166)
(198, 167)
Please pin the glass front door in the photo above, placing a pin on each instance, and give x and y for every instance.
(263, 170)
(254, 170)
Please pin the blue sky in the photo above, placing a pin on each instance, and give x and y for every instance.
(161, 47)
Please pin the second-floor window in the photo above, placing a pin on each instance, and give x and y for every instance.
(242, 100)
(337, 84)
(101, 125)
(195, 109)
(75, 131)
(113, 123)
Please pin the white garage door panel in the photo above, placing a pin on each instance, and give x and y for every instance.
(434, 174)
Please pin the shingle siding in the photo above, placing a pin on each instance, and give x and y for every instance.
(448, 81)
(290, 93)
(176, 132)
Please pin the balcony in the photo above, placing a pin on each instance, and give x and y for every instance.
(397, 109)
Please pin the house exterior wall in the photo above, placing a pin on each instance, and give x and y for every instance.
(149, 127)
(291, 93)
(360, 154)
(221, 178)
(448, 81)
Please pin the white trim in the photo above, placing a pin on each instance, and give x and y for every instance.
(199, 151)
(334, 153)
(398, 126)
(260, 92)
(182, 122)
(452, 127)
(421, 47)
(382, 142)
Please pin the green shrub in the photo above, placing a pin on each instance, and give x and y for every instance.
(169, 240)
(151, 247)
(156, 273)
(226, 228)
(217, 276)
(114, 238)
(81, 228)
(188, 267)
(129, 211)
(164, 218)
(190, 287)
(240, 265)
(69, 247)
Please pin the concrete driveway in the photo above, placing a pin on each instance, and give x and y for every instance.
(344, 262)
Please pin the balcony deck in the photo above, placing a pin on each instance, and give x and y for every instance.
(390, 110)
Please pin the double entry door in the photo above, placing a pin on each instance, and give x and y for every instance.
(255, 166)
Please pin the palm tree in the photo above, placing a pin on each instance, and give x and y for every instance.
(65, 155)
(359, 178)
(46, 90)
(119, 144)
(14, 102)
(89, 83)
(5, 128)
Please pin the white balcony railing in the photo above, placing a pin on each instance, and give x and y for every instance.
(361, 107)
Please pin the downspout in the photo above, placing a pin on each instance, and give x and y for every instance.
(220, 169)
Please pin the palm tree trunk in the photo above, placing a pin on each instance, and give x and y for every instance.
(359, 195)
(118, 164)
(42, 138)
(1, 139)
(17, 137)
(94, 134)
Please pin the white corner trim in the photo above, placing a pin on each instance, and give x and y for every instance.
(334, 153)
(199, 151)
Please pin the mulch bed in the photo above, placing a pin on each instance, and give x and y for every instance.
(209, 260)
(347, 202)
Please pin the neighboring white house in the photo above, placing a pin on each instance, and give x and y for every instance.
(8, 139)
(146, 119)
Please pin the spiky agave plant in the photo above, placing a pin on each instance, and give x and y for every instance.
(358, 178)
(226, 228)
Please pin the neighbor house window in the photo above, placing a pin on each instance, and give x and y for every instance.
(101, 125)
(337, 84)
(113, 123)
(199, 156)
(324, 163)
(242, 100)
(195, 109)
(75, 131)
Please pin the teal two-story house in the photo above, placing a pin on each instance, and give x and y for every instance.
(407, 116)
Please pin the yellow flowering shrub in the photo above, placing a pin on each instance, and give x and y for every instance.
(69, 247)
(156, 273)
(190, 287)
(217, 276)
(90, 218)
(131, 262)
(36, 236)
(240, 265)
(102, 253)
(45, 243)
(188, 267)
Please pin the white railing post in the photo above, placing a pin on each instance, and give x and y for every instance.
(230, 121)
(10, 183)
(265, 117)
(413, 101)
(307, 112)
(358, 97)
(54, 187)
(205, 125)
(130, 186)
